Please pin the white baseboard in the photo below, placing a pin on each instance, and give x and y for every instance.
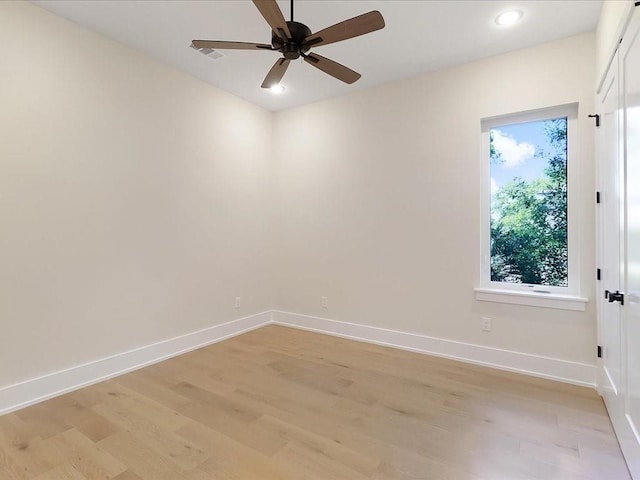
(552, 368)
(23, 394)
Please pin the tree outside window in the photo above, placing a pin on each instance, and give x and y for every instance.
(529, 242)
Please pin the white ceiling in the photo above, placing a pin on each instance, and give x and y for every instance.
(419, 36)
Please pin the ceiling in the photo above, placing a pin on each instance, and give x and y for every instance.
(420, 36)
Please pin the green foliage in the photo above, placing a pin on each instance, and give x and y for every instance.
(529, 220)
(493, 153)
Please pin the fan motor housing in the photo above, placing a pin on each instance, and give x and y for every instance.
(293, 48)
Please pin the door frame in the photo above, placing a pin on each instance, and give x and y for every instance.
(604, 197)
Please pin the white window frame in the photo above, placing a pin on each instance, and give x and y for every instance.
(524, 294)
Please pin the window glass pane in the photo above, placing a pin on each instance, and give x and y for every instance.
(529, 203)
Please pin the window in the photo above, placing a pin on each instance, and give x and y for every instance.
(529, 242)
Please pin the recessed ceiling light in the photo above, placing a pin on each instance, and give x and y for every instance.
(508, 18)
(277, 88)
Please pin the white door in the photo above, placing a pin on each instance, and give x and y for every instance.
(610, 161)
(630, 65)
(619, 227)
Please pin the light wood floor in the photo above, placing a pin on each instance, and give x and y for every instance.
(279, 403)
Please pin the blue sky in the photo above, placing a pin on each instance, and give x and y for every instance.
(518, 145)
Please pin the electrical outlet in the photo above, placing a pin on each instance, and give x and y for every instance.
(324, 302)
(237, 303)
(485, 324)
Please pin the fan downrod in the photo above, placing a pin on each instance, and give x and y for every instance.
(294, 48)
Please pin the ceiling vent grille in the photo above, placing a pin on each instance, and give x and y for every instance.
(209, 52)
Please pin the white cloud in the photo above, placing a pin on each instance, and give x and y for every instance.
(512, 152)
(494, 187)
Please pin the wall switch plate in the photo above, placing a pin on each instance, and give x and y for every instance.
(485, 324)
(237, 302)
(324, 302)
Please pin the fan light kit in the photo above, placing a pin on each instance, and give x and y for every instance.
(277, 88)
(294, 40)
(508, 18)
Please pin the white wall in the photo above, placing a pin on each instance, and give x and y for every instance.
(136, 202)
(134, 199)
(378, 202)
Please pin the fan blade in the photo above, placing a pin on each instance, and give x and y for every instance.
(354, 27)
(276, 73)
(273, 15)
(332, 68)
(230, 45)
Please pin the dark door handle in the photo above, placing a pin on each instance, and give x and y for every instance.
(616, 296)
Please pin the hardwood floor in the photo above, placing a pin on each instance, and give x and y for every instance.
(278, 403)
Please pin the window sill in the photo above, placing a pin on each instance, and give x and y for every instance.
(532, 299)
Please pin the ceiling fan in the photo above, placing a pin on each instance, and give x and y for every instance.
(295, 39)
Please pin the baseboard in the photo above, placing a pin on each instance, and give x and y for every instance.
(551, 368)
(629, 441)
(23, 394)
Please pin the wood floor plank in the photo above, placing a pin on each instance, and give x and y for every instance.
(151, 388)
(62, 472)
(284, 404)
(10, 469)
(151, 409)
(317, 463)
(162, 440)
(32, 457)
(232, 459)
(144, 461)
(128, 475)
(84, 455)
(320, 446)
(39, 417)
(72, 412)
(248, 433)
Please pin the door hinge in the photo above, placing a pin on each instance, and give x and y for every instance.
(598, 274)
(597, 117)
(597, 197)
(599, 351)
